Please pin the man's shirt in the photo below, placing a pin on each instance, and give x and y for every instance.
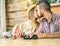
(53, 26)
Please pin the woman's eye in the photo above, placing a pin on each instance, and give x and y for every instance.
(36, 10)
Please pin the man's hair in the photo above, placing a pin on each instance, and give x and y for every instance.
(44, 4)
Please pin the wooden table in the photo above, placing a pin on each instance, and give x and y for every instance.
(22, 42)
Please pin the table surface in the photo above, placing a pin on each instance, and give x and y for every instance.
(22, 42)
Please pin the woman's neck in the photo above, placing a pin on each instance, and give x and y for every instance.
(33, 21)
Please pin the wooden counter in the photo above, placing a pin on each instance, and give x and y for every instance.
(21, 42)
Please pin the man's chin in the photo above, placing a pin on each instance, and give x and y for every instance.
(37, 20)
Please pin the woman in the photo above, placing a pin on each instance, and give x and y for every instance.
(26, 27)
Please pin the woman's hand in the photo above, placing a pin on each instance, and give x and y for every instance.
(21, 34)
(18, 33)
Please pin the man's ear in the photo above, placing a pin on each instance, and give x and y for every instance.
(42, 10)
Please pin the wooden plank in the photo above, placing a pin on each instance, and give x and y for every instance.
(14, 1)
(17, 6)
(9, 28)
(16, 21)
(17, 14)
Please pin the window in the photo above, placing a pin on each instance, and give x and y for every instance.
(2, 16)
(54, 2)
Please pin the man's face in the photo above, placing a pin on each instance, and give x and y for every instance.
(43, 13)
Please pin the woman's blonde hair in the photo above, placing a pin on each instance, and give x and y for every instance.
(30, 10)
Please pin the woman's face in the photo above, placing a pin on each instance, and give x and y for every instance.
(35, 13)
(38, 10)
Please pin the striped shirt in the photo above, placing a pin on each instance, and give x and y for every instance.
(53, 26)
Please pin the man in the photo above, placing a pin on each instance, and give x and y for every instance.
(50, 24)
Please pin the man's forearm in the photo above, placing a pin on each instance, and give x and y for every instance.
(49, 35)
(53, 35)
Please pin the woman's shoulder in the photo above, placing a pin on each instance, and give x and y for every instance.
(26, 22)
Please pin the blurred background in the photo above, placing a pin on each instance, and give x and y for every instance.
(15, 11)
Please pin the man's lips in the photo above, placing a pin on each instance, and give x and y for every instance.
(39, 16)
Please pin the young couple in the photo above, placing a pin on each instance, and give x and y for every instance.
(42, 22)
